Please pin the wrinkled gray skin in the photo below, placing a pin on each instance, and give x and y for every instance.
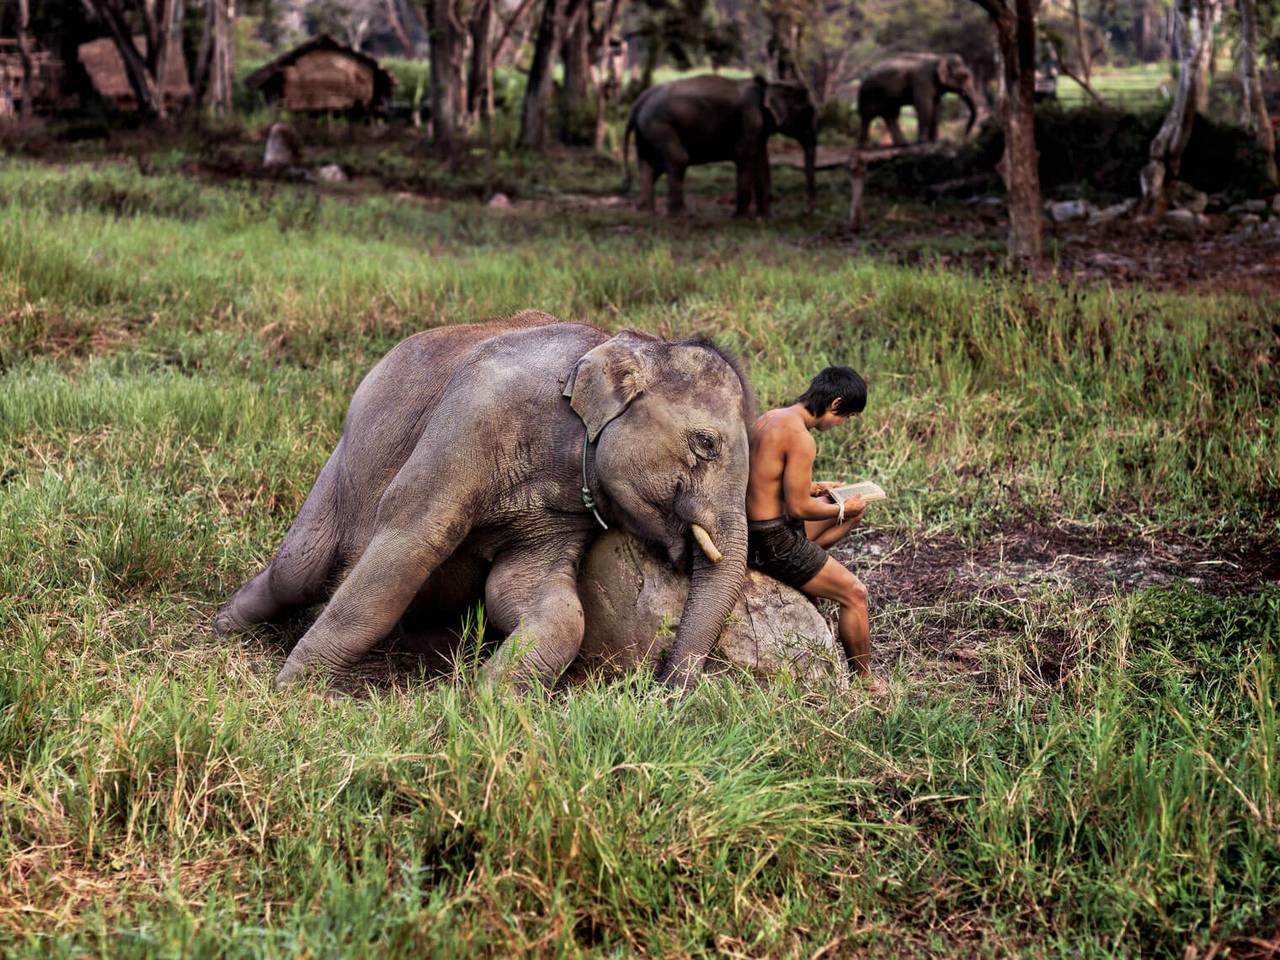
(918, 80)
(458, 476)
(709, 119)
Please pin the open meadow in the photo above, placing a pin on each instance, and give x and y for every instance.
(1073, 583)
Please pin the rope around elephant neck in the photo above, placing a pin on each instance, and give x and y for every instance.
(587, 500)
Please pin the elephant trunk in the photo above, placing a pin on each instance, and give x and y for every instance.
(970, 100)
(714, 590)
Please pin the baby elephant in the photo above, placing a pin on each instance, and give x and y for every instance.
(480, 461)
(918, 80)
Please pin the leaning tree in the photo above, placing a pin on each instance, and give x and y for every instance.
(1195, 21)
(1015, 23)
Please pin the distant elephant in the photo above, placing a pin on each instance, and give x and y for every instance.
(708, 119)
(479, 462)
(919, 80)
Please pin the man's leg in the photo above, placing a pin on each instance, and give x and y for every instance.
(827, 533)
(835, 582)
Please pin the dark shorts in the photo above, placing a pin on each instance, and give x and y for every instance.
(781, 549)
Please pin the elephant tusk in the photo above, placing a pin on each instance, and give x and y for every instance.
(706, 543)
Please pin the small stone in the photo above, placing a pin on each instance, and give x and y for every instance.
(1187, 222)
(1111, 261)
(1113, 212)
(1065, 210)
(1247, 207)
(331, 173)
(499, 201)
(1250, 219)
(1186, 197)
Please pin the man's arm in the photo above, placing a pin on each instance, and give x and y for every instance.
(797, 481)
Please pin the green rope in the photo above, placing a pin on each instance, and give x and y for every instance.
(587, 500)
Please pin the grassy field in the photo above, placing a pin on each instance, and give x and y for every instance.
(1095, 773)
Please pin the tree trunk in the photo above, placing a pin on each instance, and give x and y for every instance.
(1019, 167)
(448, 80)
(480, 80)
(172, 36)
(24, 52)
(500, 47)
(537, 94)
(575, 100)
(608, 84)
(223, 55)
(1255, 107)
(1194, 19)
(142, 82)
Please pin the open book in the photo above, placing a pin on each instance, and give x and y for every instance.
(865, 491)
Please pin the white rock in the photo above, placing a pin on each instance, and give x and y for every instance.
(1065, 210)
(1186, 221)
(500, 201)
(632, 603)
(1113, 212)
(283, 148)
(331, 173)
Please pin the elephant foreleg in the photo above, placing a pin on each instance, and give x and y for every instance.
(764, 184)
(895, 131)
(927, 114)
(533, 598)
(745, 188)
(370, 601)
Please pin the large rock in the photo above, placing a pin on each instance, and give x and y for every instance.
(632, 602)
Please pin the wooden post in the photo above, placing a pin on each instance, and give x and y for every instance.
(857, 168)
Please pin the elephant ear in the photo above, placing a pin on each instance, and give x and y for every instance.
(607, 379)
(948, 71)
(774, 102)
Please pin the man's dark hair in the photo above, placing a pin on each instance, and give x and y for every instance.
(836, 383)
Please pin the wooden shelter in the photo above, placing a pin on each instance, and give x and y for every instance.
(102, 62)
(46, 78)
(323, 75)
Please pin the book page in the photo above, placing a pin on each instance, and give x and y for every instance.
(865, 490)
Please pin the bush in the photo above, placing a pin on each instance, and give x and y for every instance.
(1098, 150)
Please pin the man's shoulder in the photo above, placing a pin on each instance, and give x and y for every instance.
(785, 429)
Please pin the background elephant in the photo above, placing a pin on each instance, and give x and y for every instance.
(918, 79)
(708, 119)
(460, 476)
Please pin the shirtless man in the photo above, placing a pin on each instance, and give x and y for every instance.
(791, 521)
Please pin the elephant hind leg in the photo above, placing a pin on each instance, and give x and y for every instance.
(300, 572)
(533, 598)
(746, 188)
(647, 177)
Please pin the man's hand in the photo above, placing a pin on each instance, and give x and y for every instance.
(820, 487)
(854, 507)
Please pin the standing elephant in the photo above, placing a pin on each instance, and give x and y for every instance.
(709, 119)
(480, 461)
(918, 79)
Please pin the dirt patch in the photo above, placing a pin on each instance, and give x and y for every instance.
(1093, 563)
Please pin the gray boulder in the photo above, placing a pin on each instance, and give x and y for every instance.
(632, 603)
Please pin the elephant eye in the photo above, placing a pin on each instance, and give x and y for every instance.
(705, 445)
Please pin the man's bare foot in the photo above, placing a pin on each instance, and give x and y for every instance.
(872, 684)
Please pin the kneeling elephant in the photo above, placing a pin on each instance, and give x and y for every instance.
(480, 461)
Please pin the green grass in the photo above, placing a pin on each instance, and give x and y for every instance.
(176, 358)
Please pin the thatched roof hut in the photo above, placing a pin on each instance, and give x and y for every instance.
(46, 77)
(322, 74)
(106, 71)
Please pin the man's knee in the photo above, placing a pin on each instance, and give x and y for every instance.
(853, 593)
